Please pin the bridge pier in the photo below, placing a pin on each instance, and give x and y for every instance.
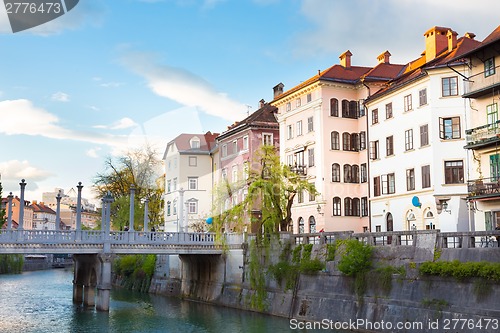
(92, 271)
(104, 286)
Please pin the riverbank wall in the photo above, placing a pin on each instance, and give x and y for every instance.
(408, 302)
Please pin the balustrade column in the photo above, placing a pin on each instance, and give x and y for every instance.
(9, 211)
(21, 208)
(58, 211)
(79, 207)
(146, 216)
(131, 212)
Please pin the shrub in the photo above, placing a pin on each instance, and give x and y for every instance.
(311, 266)
(356, 257)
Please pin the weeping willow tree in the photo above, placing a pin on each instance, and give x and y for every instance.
(141, 168)
(271, 188)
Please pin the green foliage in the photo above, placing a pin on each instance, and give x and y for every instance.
(462, 270)
(306, 252)
(296, 254)
(284, 271)
(437, 254)
(356, 257)
(383, 276)
(437, 304)
(311, 266)
(136, 271)
(257, 278)
(11, 263)
(331, 249)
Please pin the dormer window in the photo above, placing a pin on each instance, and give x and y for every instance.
(195, 143)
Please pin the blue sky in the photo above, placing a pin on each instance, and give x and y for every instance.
(111, 74)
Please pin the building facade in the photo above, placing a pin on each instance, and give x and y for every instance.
(416, 136)
(44, 218)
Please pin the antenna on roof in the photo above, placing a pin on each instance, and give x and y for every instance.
(248, 109)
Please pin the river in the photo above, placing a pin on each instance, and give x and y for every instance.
(41, 301)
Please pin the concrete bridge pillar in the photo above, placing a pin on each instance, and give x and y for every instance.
(104, 286)
(87, 269)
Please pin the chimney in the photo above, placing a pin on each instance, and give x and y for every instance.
(345, 59)
(452, 39)
(435, 42)
(35, 202)
(383, 58)
(470, 35)
(262, 102)
(278, 89)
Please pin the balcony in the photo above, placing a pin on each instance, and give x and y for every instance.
(479, 85)
(483, 136)
(486, 188)
(300, 170)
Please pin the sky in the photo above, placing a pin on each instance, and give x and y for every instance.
(113, 75)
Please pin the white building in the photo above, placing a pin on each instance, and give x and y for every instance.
(416, 136)
(188, 167)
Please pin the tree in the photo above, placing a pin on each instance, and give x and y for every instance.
(272, 188)
(141, 168)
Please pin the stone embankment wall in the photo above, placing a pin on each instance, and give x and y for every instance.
(416, 303)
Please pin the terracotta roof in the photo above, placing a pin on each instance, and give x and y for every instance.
(417, 68)
(182, 141)
(384, 71)
(263, 117)
(41, 208)
(493, 37)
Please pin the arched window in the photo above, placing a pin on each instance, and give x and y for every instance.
(312, 225)
(354, 174)
(354, 142)
(337, 206)
(410, 220)
(301, 225)
(353, 109)
(335, 172)
(347, 206)
(346, 141)
(345, 108)
(347, 173)
(355, 207)
(335, 137)
(334, 107)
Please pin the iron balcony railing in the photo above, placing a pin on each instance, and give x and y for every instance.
(483, 134)
(484, 187)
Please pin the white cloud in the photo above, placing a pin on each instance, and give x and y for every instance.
(123, 123)
(14, 170)
(94, 108)
(111, 84)
(30, 120)
(368, 27)
(60, 97)
(185, 88)
(93, 152)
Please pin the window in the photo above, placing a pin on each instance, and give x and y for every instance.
(335, 172)
(174, 184)
(312, 196)
(453, 172)
(361, 107)
(363, 173)
(422, 97)
(309, 98)
(450, 86)
(353, 109)
(234, 174)
(193, 161)
(245, 142)
(376, 186)
(298, 102)
(389, 145)
(424, 135)
(374, 116)
(347, 173)
(354, 142)
(388, 183)
(495, 167)
(426, 176)
(335, 138)
(310, 125)
(267, 139)
(364, 206)
(347, 206)
(374, 153)
(192, 207)
(169, 206)
(301, 225)
(193, 183)
(354, 174)
(345, 108)
(337, 206)
(245, 170)
(492, 113)
(410, 179)
(407, 103)
(362, 140)
(174, 207)
(409, 139)
(346, 141)
(224, 150)
(312, 225)
(288, 106)
(300, 196)
(334, 107)
(449, 128)
(355, 206)
(388, 111)
(195, 143)
(311, 156)
(224, 174)
(289, 132)
(489, 67)
(298, 128)
(169, 186)
(235, 147)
